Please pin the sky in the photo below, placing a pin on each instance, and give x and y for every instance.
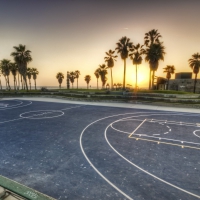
(69, 35)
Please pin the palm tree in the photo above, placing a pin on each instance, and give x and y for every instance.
(194, 63)
(35, 72)
(110, 62)
(102, 73)
(60, 77)
(169, 69)
(14, 70)
(72, 76)
(87, 79)
(123, 47)
(137, 59)
(22, 57)
(151, 37)
(96, 73)
(77, 74)
(153, 54)
(29, 74)
(5, 70)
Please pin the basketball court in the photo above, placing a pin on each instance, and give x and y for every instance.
(78, 151)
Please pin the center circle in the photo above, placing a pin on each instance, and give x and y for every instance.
(42, 114)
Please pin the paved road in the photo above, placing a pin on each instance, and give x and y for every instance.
(75, 150)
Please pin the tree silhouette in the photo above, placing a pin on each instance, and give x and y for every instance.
(110, 63)
(123, 47)
(151, 37)
(60, 77)
(194, 63)
(22, 57)
(136, 57)
(169, 69)
(87, 79)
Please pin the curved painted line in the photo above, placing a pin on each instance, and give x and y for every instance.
(100, 174)
(196, 134)
(13, 105)
(105, 134)
(18, 106)
(32, 117)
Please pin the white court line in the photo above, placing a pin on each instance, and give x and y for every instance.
(72, 107)
(105, 134)
(160, 138)
(10, 120)
(12, 105)
(137, 128)
(196, 134)
(168, 139)
(45, 112)
(17, 106)
(100, 174)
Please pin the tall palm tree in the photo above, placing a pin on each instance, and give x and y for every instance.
(151, 37)
(77, 74)
(153, 54)
(96, 73)
(22, 57)
(29, 74)
(72, 76)
(60, 77)
(87, 79)
(136, 57)
(110, 58)
(5, 70)
(35, 72)
(123, 47)
(169, 69)
(102, 73)
(194, 63)
(14, 70)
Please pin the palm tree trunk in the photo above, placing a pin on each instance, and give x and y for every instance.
(97, 84)
(195, 81)
(136, 79)
(30, 83)
(0, 84)
(25, 81)
(77, 83)
(87, 85)
(124, 81)
(8, 83)
(168, 84)
(153, 79)
(14, 83)
(18, 81)
(111, 79)
(150, 79)
(35, 84)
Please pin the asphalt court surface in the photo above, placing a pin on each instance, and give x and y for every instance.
(71, 151)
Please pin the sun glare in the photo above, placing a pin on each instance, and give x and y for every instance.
(142, 77)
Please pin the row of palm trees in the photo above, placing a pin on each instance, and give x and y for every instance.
(152, 48)
(70, 75)
(19, 67)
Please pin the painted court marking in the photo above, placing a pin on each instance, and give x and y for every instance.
(105, 135)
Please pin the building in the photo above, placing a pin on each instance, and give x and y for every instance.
(183, 82)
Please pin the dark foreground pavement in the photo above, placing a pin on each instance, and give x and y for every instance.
(70, 151)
